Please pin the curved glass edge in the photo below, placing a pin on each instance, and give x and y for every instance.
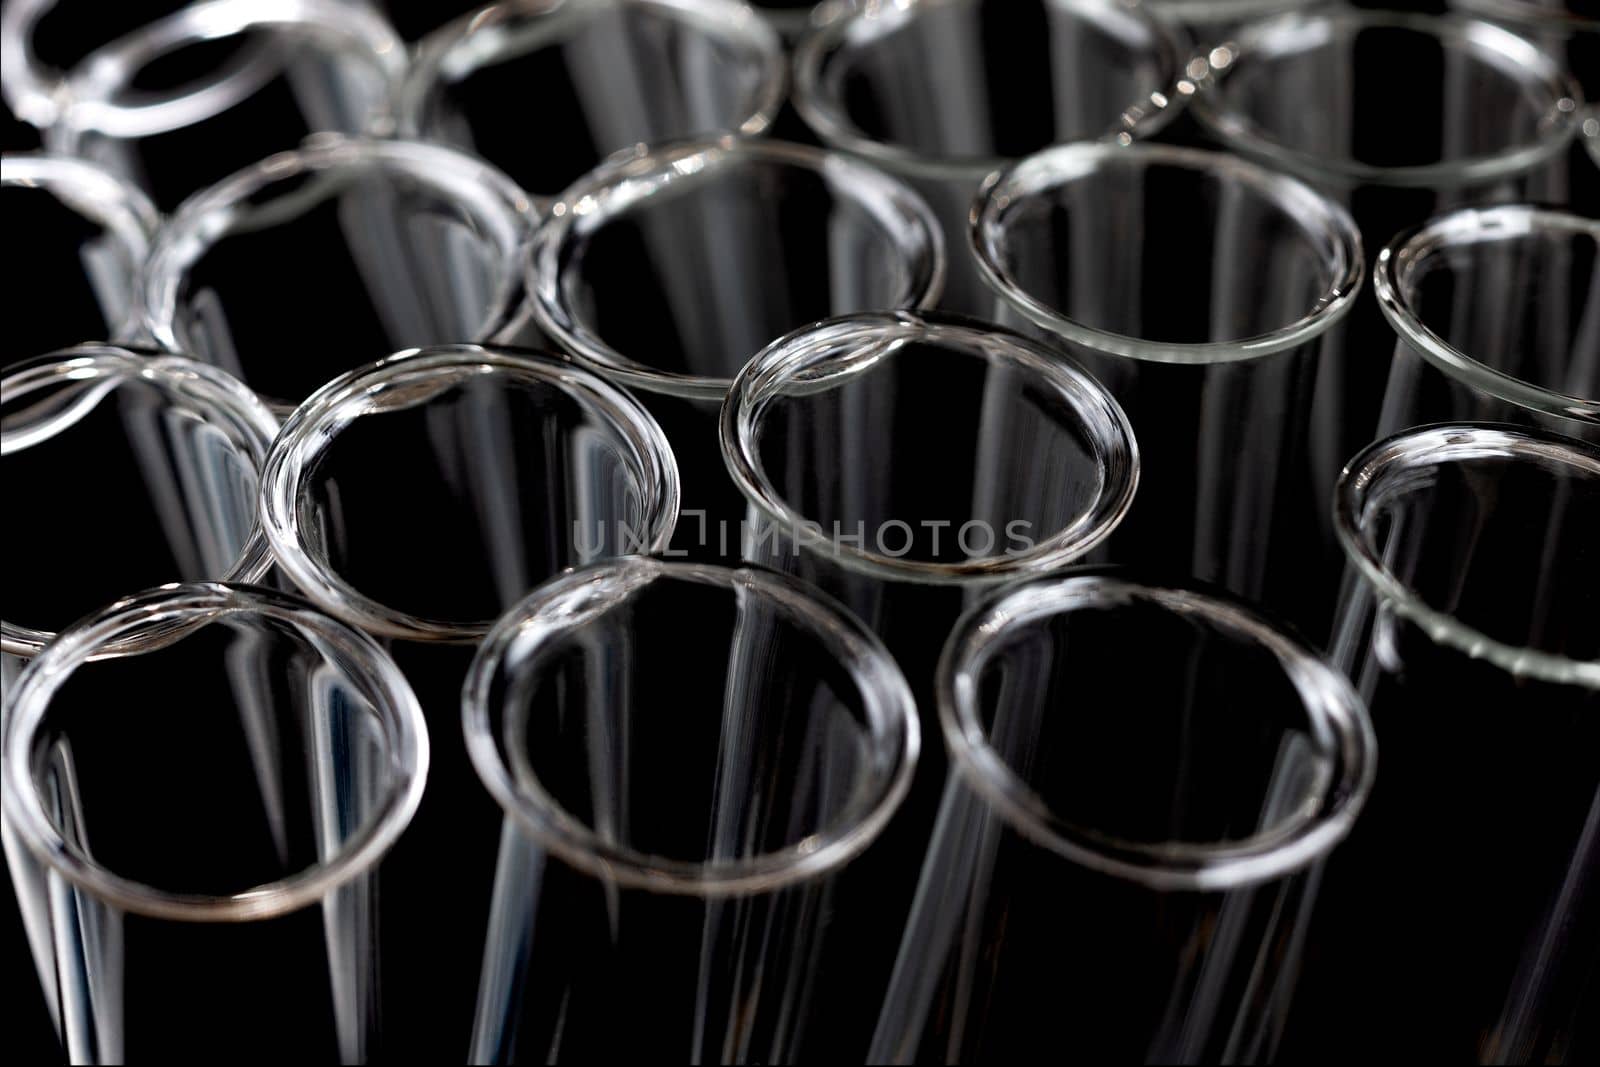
(152, 619)
(576, 599)
(1428, 446)
(1302, 205)
(1335, 713)
(1404, 255)
(217, 397)
(615, 188)
(813, 357)
(413, 376)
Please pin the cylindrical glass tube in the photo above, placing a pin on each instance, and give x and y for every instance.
(942, 92)
(608, 75)
(1212, 22)
(1569, 28)
(206, 862)
(1142, 776)
(1458, 922)
(293, 67)
(1200, 289)
(419, 499)
(1498, 315)
(675, 881)
(87, 235)
(1489, 117)
(667, 272)
(335, 255)
(901, 462)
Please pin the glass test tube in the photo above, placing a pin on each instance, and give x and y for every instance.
(207, 777)
(609, 75)
(275, 70)
(1457, 921)
(668, 271)
(337, 254)
(943, 92)
(87, 236)
(676, 879)
(1201, 289)
(1142, 776)
(419, 498)
(1497, 311)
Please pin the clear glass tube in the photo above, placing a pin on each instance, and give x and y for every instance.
(1201, 289)
(609, 75)
(942, 92)
(1142, 777)
(902, 461)
(1562, 27)
(293, 67)
(384, 245)
(1498, 315)
(190, 904)
(1211, 22)
(419, 499)
(666, 272)
(1489, 119)
(676, 881)
(1469, 626)
(87, 235)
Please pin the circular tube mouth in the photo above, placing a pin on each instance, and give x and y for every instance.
(579, 598)
(516, 27)
(94, 371)
(1400, 464)
(1326, 226)
(870, 24)
(1531, 14)
(92, 191)
(1336, 720)
(1409, 256)
(159, 618)
(830, 354)
(626, 185)
(90, 96)
(501, 214)
(412, 378)
(1538, 76)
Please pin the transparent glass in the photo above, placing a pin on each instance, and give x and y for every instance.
(1400, 117)
(668, 271)
(902, 461)
(164, 453)
(383, 245)
(1469, 626)
(184, 101)
(676, 881)
(87, 235)
(1142, 776)
(1211, 22)
(420, 498)
(942, 92)
(608, 75)
(1201, 289)
(1498, 315)
(204, 870)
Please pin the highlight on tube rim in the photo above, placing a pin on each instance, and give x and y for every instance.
(1530, 15)
(812, 358)
(88, 96)
(217, 397)
(502, 211)
(1433, 446)
(1522, 58)
(1407, 252)
(409, 379)
(1335, 713)
(96, 194)
(156, 617)
(866, 23)
(1324, 221)
(578, 597)
(727, 20)
(1204, 12)
(616, 188)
